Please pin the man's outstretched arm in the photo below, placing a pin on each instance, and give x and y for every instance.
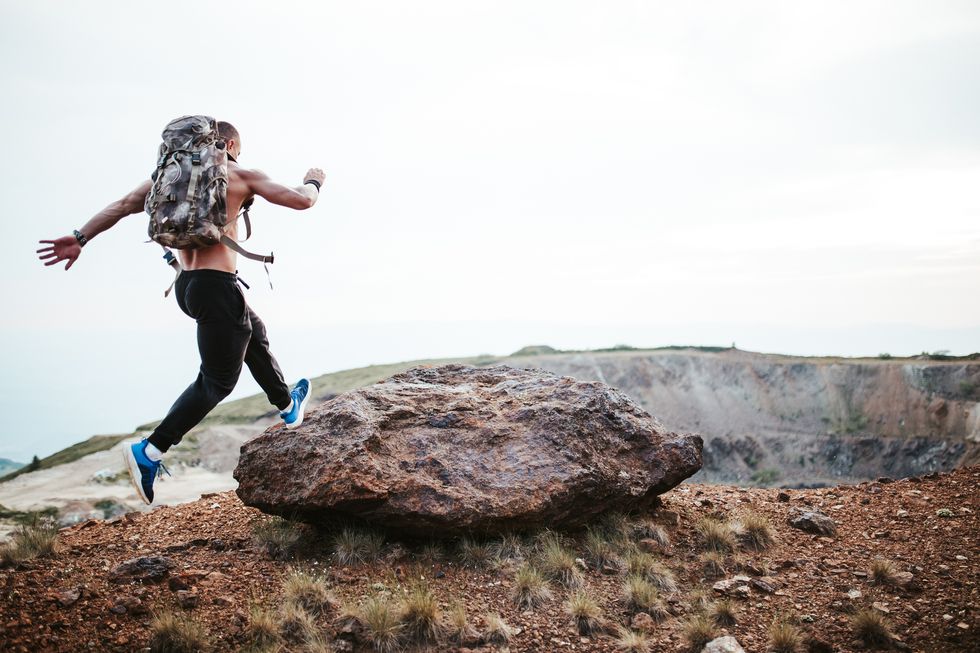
(68, 248)
(299, 197)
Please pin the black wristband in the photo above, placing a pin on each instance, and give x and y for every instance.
(80, 237)
(314, 182)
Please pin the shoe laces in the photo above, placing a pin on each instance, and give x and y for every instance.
(161, 468)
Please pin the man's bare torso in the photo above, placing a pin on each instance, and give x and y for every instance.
(219, 257)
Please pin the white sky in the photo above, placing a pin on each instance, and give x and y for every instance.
(796, 177)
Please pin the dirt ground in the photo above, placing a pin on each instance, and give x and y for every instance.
(926, 526)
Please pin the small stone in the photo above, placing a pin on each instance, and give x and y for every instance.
(765, 584)
(944, 512)
(853, 594)
(187, 599)
(343, 646)
(726, 644)
(903, 578)
(963, 625)
(68, 598)
(643, 621)
(812, 521)
(881, 607)
(224, 600)
(151, 569)
(902, 513)
(782, 497)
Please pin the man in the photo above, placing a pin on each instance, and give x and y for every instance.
(229, 333)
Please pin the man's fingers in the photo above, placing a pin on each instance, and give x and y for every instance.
(46, 249)
(53, 261)
(69, 263)
(46, 241)
(45, 257)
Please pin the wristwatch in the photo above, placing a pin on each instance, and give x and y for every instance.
(80, 237)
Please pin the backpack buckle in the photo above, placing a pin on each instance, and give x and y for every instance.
(196, 158)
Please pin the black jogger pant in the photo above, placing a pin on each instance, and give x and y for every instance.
(229, 333)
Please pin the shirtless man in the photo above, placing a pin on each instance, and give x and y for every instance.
(229, 333)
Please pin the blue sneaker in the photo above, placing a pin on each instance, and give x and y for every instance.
(142, 470)
(300, 394)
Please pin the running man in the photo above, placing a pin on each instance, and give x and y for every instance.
(229, 333)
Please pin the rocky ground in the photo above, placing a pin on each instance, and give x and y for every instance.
(214, 570)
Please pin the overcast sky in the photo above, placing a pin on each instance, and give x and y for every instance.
(794, 177)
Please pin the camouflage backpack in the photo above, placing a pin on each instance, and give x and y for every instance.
(187, 201)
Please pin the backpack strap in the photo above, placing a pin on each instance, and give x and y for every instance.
(172, 261)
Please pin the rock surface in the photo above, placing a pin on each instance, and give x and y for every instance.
(726, 644)
(812, 521)
(454, 449)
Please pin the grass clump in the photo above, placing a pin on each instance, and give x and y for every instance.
(530, 588)
(723, 613)
(308, 592)
(631, 641)
(420, 614)
(784, 637)
(871, 627)
(756, 531)
(475, 553)
(883, 572)
(37, 538)
(557, 561)
(355, 546)
(585, 611)
(713, 564)
(640, 563)
(296, 625)
(647, 529)
(263, 628)
(458, 627)
(697, 631)
(497, 632)
(716, 535)
(640, 595)
(508, 547)
(277, 536)
(601, 551)
(382, 626)
(171, 632)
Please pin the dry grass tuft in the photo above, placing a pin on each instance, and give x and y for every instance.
(458, 627)
(661, 575)
(530, 588)
(497, 631)
(356, 546)
(557, 561)
(420, 614)
(640, 595)
(279, 537)
(430, 552)
(382, 626)
(713, 564)
(716, 535)
(784, 637)
(883, 572)
(308, 592)
(263, 628)
(650, 530)
(171, 632)
(474, 553)
(872, 628)
(632, 641)
(508, 547)
(296, 625)
(601, 551)
(38, 538)
(697, 631)
(724, 613)
(585, 611)
(756, 531)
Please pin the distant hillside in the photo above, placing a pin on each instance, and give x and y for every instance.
(94, 444)
(7, 466)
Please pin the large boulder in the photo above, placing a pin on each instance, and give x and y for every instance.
(439, 451)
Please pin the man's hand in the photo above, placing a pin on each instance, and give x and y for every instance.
(315, 174)
(65, 248)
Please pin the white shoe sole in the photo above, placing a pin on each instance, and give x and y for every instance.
(135, 476)
(302, 408)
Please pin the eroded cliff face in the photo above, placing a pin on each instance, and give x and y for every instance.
(799, 421)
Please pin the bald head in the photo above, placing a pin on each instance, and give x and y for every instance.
(229, 134)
